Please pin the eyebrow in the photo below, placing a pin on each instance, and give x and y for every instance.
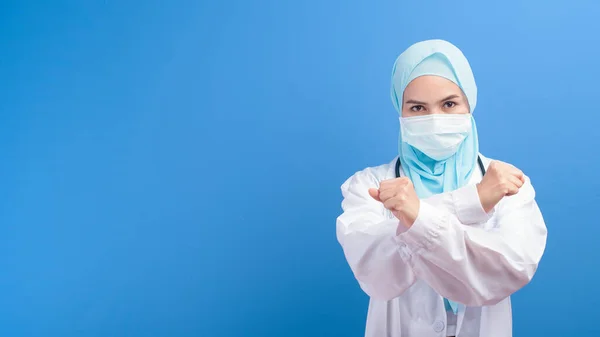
(412, 101)
(453, 96)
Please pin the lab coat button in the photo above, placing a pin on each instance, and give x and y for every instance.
(438, 326)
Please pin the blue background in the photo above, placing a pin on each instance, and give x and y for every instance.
(173, 168)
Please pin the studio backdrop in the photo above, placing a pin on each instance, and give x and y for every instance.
(174, 168)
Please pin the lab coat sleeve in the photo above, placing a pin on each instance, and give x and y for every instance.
(367, 237)
(473, 266)
(463, 203)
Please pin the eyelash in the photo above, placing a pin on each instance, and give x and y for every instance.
(418, 108)
(453, 104)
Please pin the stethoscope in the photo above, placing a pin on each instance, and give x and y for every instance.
(479, 161)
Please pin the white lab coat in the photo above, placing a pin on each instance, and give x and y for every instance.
(454, 249)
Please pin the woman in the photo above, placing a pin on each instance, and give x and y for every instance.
(440, 237)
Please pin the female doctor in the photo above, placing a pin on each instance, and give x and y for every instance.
(440, 237)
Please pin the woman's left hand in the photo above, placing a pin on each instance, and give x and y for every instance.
(399, 196)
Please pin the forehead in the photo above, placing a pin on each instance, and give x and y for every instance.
(431, 87)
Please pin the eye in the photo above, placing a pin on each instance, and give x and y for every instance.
(417, 108)
(449, 104)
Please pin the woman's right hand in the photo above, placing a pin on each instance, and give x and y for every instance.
(500, 180)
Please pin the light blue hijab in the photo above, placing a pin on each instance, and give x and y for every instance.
(429, 176)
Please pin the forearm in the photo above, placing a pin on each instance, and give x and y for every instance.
(368, 239)
(473, 266)
(376, 259)
(464, 203)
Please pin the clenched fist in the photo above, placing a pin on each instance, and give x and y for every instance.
(399, 196)
(500, 180)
